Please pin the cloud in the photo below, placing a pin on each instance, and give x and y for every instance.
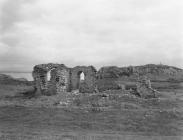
(11, 12)
(85, 32)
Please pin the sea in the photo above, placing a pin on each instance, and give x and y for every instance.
(26, 75)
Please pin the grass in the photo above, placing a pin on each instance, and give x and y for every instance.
(13, 90)
(82, 116)
(53, 121)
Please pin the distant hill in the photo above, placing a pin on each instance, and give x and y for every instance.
(7, 79)
(154, 72)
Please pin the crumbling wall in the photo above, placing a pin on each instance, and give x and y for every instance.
(39, 76)
(109, 76)
(60, 77)
(114, 72)
(144, 88)
(89, 83)
(63, 79)
(60, 81)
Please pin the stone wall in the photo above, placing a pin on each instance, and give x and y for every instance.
(60, 76)
(144, 88)
(89, 83)
(60, 81)
(39, 76)
(63, 79)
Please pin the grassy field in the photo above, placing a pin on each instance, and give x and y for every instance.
(91, 117)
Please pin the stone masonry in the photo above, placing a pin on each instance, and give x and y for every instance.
(63, 79)
(53, 79)
(144, 88)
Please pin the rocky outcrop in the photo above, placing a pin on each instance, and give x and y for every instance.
(154, 72)
(110, 77)
(114, 72)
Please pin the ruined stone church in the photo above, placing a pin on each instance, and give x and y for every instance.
(57, 78)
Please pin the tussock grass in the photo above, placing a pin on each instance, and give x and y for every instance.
(112, 111)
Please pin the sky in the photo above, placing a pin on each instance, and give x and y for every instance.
(90, 32)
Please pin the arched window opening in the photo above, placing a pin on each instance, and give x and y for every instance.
(80, 79)
(49, 75)
(82, 76)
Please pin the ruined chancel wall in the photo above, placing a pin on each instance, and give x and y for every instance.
(53, 79)
(89, 82)
(59, 80)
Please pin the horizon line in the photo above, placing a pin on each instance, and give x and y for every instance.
(15, 71)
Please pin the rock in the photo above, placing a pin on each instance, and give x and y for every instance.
(154, 72)
(144, 88)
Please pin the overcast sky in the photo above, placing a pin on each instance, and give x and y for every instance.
(90, 32)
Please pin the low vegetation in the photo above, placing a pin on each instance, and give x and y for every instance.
(26, 116)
